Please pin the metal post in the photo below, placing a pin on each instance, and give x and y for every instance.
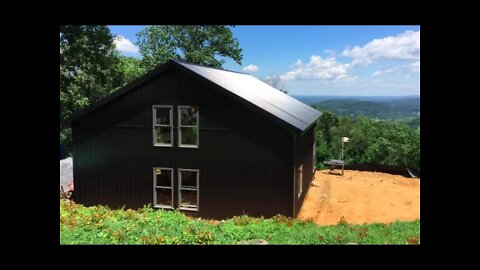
(342, 150)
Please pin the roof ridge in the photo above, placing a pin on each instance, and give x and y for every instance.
(194, 64)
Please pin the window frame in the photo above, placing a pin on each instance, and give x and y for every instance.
(162, 206)
(179, 126)
(197, 208)
(155, 125)
(314, 156)
(300, 181)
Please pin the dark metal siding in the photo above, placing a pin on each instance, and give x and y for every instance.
(245, 160)
(304, 156)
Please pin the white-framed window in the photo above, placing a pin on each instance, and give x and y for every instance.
(300, 180)
(163, 187)
(162, 125)
(188, 128)
(188, 189)
(314, 156)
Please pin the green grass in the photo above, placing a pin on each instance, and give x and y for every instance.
(100, 225)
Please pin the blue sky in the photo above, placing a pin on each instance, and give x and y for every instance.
(323, 60)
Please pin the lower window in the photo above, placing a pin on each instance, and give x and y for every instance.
(188, 189)
(162, 187)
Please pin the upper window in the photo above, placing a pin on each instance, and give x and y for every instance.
(162, 126)
(188, 126)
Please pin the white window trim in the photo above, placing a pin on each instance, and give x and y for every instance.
(314, 156)
(300, 180)
(197, 208)
(155, 205)
(180, 131)
(154, 118)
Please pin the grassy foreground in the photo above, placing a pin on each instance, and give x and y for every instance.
(100, 225)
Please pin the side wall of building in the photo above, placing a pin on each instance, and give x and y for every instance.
(304, 160)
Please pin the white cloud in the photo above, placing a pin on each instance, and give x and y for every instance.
(124, 45)
(415, 67)
(297, 63)
(319, 69)
(404, 46)
(250, 68)
(381, 72)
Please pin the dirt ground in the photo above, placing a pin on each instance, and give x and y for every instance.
(361, 197)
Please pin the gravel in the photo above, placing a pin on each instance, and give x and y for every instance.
(66, 172)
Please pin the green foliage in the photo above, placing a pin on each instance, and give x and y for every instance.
(411, 121)
(199, 44)
(100, 225)
(88, 70)
(382, 142)
(130, 68)
(326, 122)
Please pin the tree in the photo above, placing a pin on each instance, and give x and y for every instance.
(88, 70)
(199, 44)
(275, 82)
(130, 68)
(326, 121)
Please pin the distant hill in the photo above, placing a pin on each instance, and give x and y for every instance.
(311, 100)
(388, 109)
(401, 109)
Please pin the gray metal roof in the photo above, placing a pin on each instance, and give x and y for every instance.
(253, 90)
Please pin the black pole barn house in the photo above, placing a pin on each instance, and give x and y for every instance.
(210, 142)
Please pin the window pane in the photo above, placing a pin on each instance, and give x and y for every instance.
(163, 135)
(189, 197)
(164, 177)
(164, 196)
(189, 135)
(188, 116)
(189, 179)
(163, 116)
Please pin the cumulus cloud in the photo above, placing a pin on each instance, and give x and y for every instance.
(415, 67)
(381, 72)
(124, 45)
(318, 69)
(250, 68)
(404, 46)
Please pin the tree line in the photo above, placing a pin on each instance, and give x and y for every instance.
(381, 142)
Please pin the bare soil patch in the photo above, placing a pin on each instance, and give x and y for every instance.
(361, 197)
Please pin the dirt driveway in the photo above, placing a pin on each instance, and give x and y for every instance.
(361, 197)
